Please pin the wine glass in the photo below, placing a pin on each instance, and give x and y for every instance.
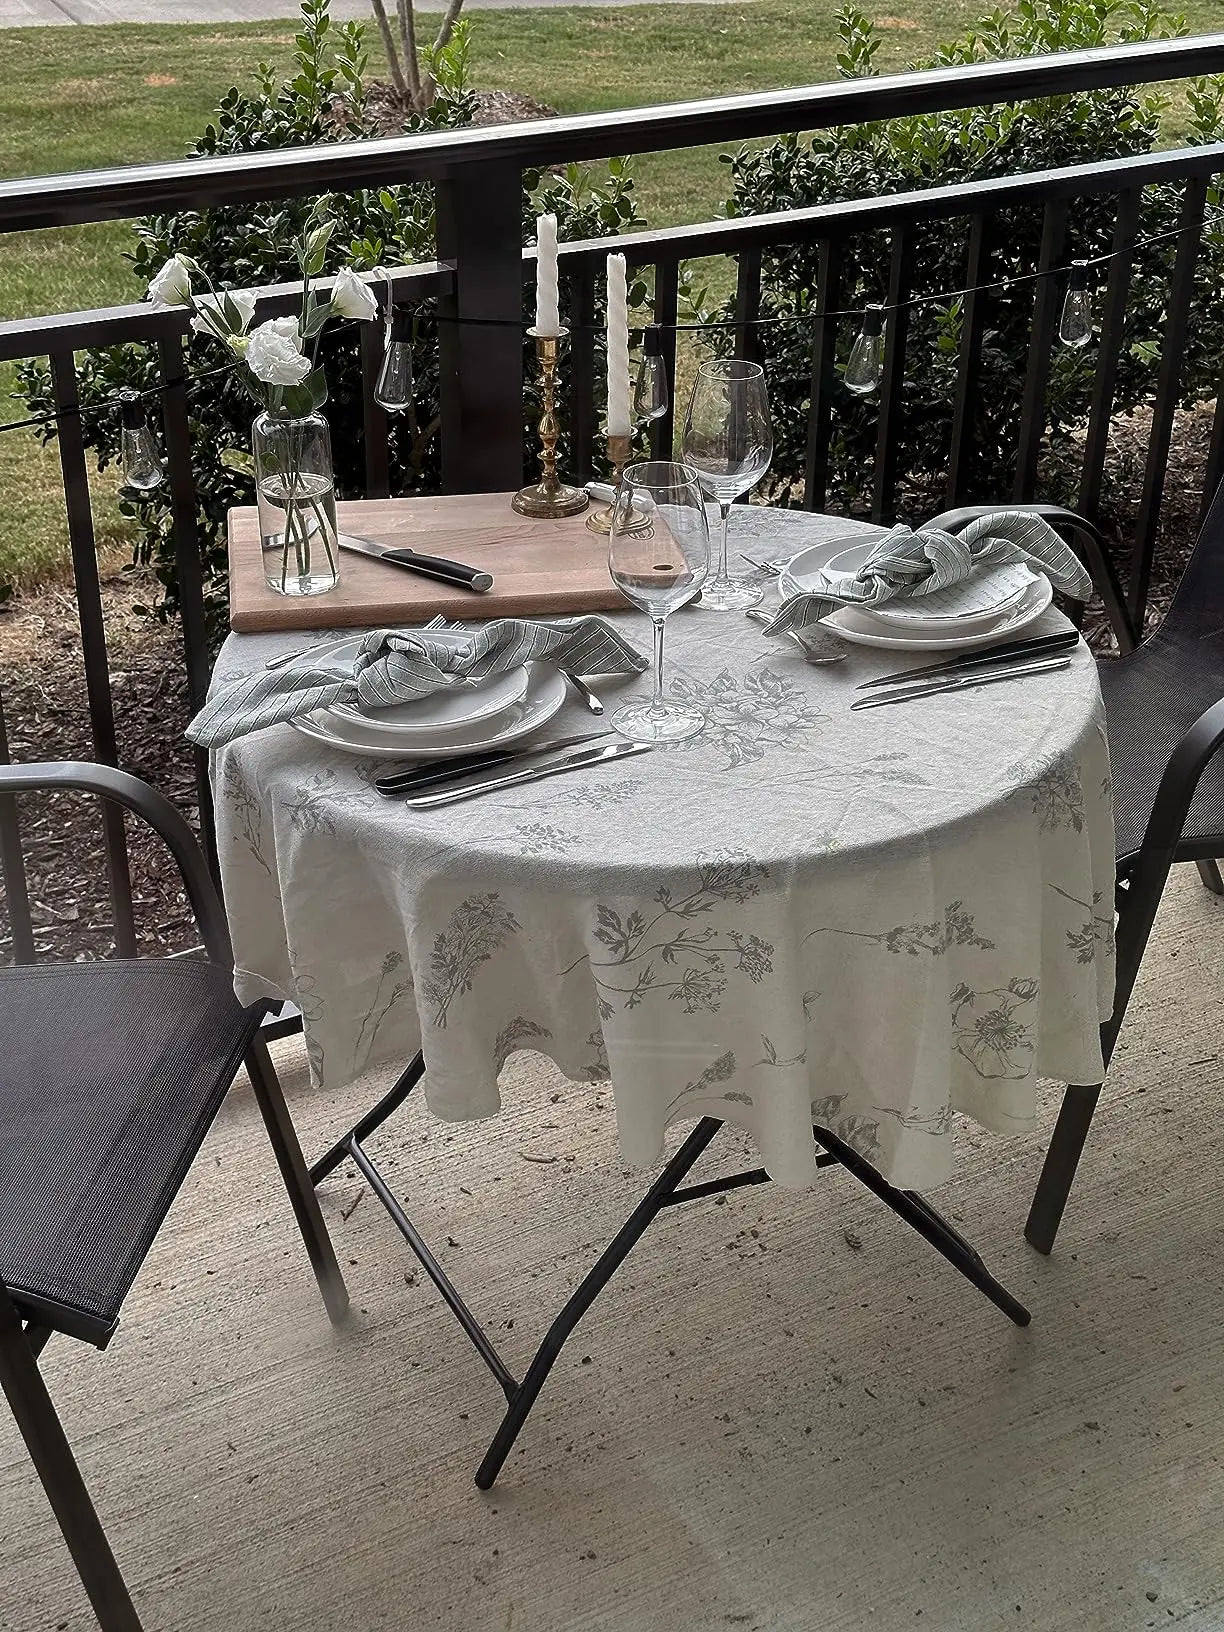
(658, 563)
(728, 441)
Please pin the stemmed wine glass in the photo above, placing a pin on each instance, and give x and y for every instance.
(728, 440)
(658, 564)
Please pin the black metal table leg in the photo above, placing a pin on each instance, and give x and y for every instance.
(372, 1120)
(581, 1300)
(930, 1225)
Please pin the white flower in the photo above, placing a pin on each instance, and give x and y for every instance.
(351, 297)
(274, 353)
(172, 285)
(242, 299)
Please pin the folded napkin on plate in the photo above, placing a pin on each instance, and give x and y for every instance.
(906, 564)
(402, 665)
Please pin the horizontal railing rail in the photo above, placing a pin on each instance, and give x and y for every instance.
(102, 195)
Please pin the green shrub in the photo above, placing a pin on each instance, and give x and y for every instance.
(323, 99)
(963, 146)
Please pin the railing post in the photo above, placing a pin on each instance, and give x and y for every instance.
(480, 340)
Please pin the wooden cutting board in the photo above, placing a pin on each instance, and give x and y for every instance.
(539, 567)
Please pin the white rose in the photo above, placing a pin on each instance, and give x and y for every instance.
(274, 353)
(172, 285)
(351, 297)
(242, 299)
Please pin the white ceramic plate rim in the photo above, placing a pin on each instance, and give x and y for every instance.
(489, 700)
(1038, 597)
(545, 697)
(909, 614)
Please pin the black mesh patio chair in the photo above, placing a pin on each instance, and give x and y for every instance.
(1164, 708)
(110, 1076)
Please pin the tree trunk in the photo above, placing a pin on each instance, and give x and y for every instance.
(388, 39)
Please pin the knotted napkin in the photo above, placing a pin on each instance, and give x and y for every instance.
(906, 564)
(403, 665)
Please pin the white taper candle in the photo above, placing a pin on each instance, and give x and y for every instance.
(619, 422)
(548, 307)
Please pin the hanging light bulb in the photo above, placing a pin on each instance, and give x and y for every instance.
(394, 389)
(651, 397)
(142, 466)
(1075, 326)
(865, 364)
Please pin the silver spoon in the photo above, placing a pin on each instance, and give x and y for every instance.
(584, 691)
(813, 642)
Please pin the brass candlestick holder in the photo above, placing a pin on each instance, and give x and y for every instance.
(600, 521)
(549, 496)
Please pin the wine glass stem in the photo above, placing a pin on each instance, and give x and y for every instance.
(659, 626)
(724, 511)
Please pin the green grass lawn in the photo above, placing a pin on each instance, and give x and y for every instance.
(78, 98)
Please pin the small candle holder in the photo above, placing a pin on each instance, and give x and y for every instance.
(600, 521)
(549, 497)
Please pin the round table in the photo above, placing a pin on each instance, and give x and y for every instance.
(864, 920)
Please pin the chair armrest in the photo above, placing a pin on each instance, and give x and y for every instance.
(1083, 537)
(84, 776)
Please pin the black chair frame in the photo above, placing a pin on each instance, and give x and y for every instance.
(25, 1327)
(1143, 872)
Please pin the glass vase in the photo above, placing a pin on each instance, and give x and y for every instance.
(296, 494)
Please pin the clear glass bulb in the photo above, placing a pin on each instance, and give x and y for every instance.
(865, 364)
(142, 466)
(394, 389)
(1075, 327)
(651, 397)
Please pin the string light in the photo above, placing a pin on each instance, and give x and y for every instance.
(1075, 327)
(865, 365)
(1213, 218)
(651, 397)
(394, 389)
(142, 466)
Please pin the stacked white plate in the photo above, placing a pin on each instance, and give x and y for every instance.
(461, 719)
(992, 604)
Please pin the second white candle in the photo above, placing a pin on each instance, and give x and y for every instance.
(619, 422)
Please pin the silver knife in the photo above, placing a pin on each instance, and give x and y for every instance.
(397, 783)
(428, 566)
(960, 682)
(571, 762)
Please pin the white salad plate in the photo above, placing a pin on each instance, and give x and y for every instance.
(804, 573)
(445, 711)
(545, 695)
(974, 603)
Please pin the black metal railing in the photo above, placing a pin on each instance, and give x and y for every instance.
(477, 289)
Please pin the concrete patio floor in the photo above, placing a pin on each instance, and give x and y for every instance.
(785, 1414)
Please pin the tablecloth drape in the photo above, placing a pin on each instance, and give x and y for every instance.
(870, 920)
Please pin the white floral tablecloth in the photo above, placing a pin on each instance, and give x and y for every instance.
(868, 920)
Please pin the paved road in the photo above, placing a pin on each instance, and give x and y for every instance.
(58, 13)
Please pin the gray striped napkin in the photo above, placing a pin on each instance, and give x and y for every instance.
(403, 665)
(907, 564)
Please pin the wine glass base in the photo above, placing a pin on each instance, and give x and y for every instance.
(731, 594)
(671, 722)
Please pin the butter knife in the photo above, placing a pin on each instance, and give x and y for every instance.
(435, 771)
(984, 657)
(571, 762)
(960, 682)
(427, 566)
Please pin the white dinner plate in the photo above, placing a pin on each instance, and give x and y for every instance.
(974, 603)
(445, 711)
(546, 693)
(801, 574)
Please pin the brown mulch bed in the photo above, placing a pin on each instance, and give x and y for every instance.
(43, 693)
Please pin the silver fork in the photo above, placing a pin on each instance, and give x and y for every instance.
(773, 568)
(813, 642)
(584, 691)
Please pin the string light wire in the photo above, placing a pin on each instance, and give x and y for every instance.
(113, 403)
